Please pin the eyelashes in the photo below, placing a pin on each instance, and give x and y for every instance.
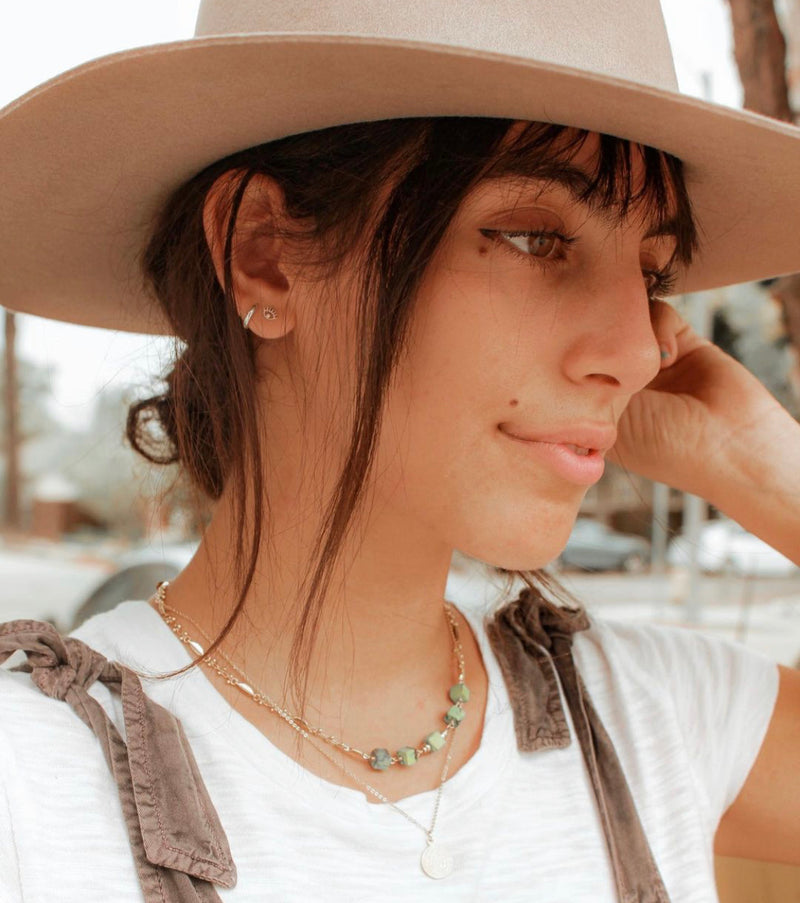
(552, 245)
(660, 284)
(548, 247)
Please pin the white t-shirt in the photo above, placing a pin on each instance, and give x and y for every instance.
(687, 714)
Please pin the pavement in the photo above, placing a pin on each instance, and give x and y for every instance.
(762, 613)
(49, 581)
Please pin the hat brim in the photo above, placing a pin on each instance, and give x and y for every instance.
(89, 157)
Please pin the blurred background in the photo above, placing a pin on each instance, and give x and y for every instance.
(85, 523)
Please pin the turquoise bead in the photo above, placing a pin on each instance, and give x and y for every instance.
(380, 759)
(435, 740)
(455, 715)
(407, 755)
(459, 693)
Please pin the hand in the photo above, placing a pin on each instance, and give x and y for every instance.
(702, 418)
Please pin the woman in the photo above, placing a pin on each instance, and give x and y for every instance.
(403, 335)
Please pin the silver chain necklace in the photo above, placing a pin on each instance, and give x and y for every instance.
(436, 861)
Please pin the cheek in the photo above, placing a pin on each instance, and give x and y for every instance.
(472, 355)
(478, 333)
(447, 470)
(499, 511)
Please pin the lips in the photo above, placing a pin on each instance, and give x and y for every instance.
(581, 439)
(574, 454)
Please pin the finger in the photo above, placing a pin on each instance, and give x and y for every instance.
(674, 335)
(666, 325)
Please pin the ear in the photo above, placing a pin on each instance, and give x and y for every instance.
(258, 250)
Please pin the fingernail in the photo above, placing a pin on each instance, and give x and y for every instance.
(664, 352)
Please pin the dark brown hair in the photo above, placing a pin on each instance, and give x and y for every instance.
(331, 179)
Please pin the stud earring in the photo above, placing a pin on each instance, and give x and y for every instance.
(248, 316)
(270, 313)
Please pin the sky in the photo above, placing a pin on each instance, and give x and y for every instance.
(41, 38)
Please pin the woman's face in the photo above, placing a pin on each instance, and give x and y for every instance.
(523, 353)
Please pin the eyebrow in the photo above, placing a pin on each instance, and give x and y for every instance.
(579, 185)
(667, 229)
(574, 180)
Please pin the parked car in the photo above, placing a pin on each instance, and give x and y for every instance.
(592, 546)
(139, 572)
(724, 545)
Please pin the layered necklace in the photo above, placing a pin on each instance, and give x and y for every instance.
(436, 861)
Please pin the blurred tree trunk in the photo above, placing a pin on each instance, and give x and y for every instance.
(760, 52)
(12, 509)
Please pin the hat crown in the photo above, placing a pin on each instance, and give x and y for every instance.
(624, 39)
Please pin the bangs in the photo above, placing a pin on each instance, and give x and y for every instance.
(657, 198)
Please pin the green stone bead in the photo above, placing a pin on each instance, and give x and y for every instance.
(435, 740)
(455, 715)
(407, 755)
(459, 693)
(380, 759)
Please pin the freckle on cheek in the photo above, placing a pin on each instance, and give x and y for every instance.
(514, 402)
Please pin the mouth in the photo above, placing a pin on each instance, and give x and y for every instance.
(576, 455)
(582, 440)
(583, 452)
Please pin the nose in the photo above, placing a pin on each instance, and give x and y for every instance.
(612, 341)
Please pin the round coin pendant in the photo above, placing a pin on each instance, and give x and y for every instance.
(436, 860)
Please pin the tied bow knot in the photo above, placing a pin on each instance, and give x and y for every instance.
(80, 666)
(535, 621)
(55, 663)
(178, 843)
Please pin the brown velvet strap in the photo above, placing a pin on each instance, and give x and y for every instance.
(178, 843)
(526, 635)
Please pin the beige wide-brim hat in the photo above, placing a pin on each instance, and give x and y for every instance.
(88, 158)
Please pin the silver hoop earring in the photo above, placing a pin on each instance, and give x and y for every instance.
(248, 316)
(270, 313)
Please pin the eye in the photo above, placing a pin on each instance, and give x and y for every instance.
(541, 244)
(537, 244)
(659, 283)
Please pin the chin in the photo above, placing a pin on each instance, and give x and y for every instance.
(519, 540)
(517, 554)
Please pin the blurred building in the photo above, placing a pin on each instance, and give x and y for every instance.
(56, 508)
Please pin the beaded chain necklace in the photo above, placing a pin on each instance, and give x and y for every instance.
(379, 758)
(436, 861)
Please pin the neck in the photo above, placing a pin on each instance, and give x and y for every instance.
(382, 663)
(381, 623)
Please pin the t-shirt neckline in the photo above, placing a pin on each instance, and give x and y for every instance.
(159, 650)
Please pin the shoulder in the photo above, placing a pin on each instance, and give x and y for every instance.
(124, 634)
(26, 713)
(708, 688)
(55, 785)
(49, 757)
(661, 649)
(28, 716)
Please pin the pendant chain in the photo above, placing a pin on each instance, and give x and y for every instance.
(309, 734)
